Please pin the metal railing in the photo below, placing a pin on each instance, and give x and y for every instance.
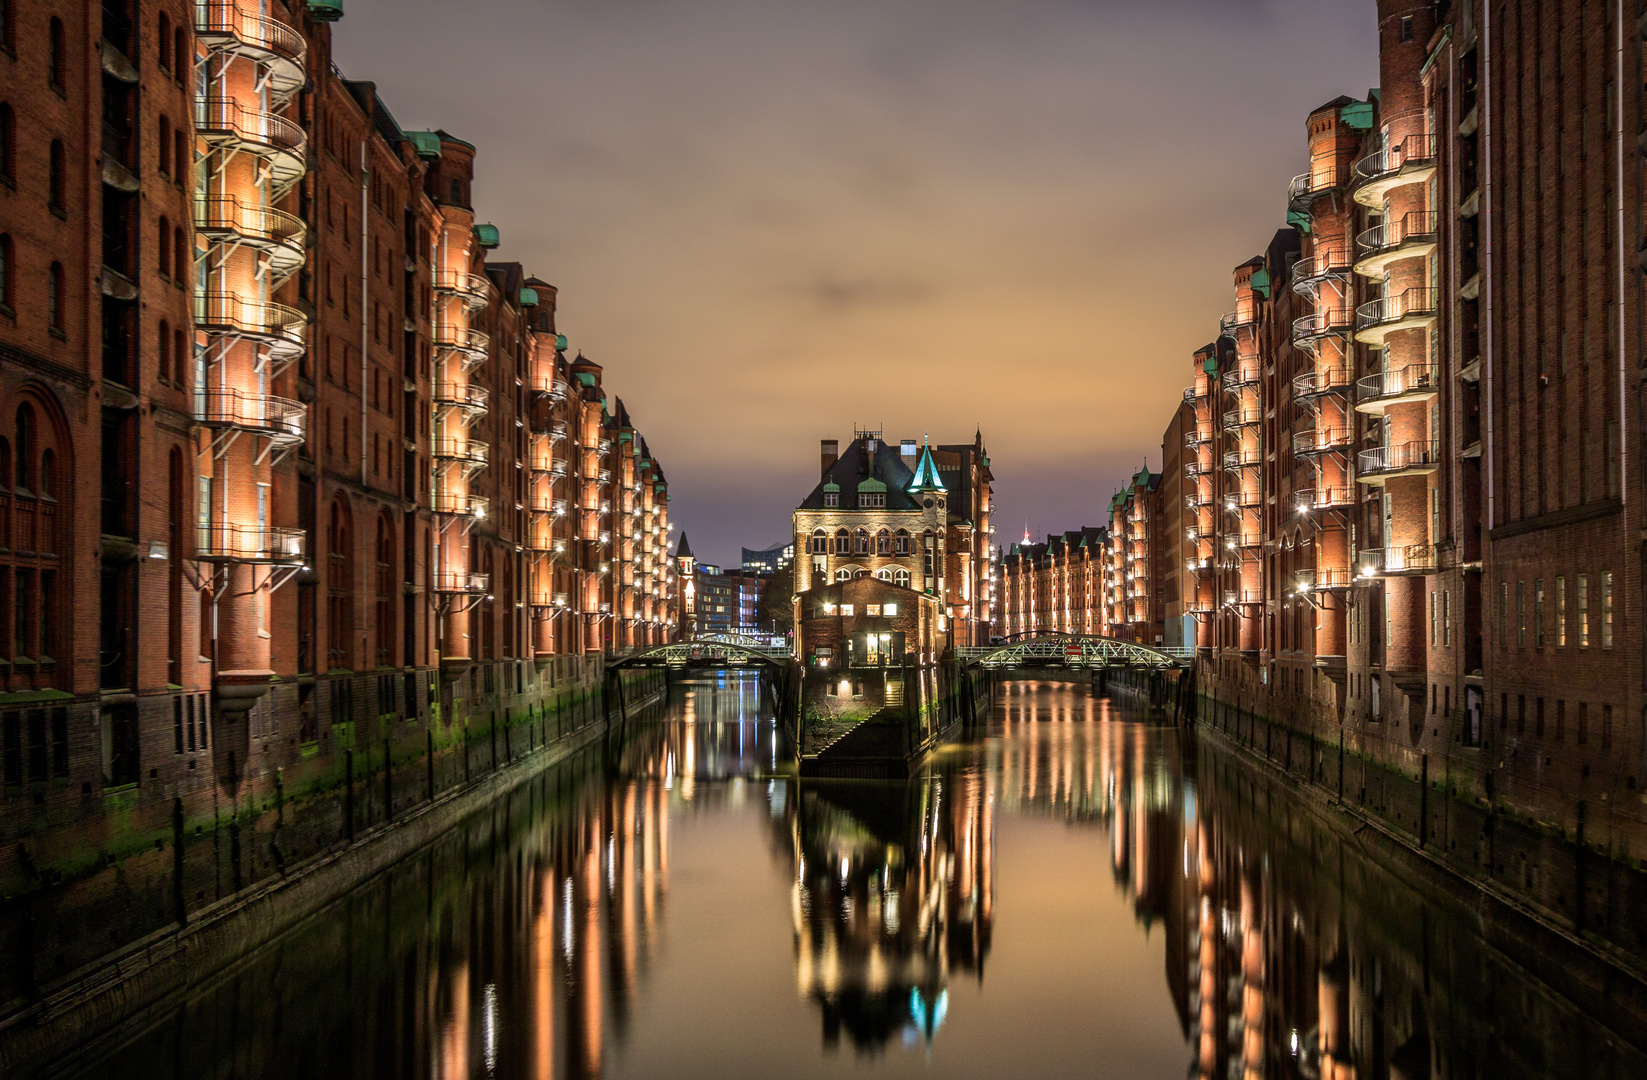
(1242, 416)
(258, 224)
(1417, 302)
(447, 581)
(463, 339)
(552, 385)
(229, 542)
(216, 19)
(477, 287)
(279, 418)
(1385, 385)
(1329, 260)
(1399, 458)
(1316, 578)
(1193, 438)
(1332, 320)
(1410, 559)
(472, 451)
(219, 118)
(1244, 458)
(463, 395)
(1416, 225)
(1230, 323)
(461, 505)
(220, 313)
(1412, 150)
(1240, 375)
(1320, 440)
(1319, 381)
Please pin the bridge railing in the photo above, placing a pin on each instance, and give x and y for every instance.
(1078, 652)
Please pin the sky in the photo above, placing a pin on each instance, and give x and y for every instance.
(776, 221)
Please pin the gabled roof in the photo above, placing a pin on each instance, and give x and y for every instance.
(852, 472)
(683, 550)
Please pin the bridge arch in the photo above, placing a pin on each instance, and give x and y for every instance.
(1085, 651)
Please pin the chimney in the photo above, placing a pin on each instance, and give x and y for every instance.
(831, 450)
(909, 452)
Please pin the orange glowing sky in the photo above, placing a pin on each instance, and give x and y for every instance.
(771, 219)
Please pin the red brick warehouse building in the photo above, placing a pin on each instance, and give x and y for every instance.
(1412, 463)
(282, 448)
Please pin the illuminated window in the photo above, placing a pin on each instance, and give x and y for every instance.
(872, 609)
(889, 610)
(846, 609)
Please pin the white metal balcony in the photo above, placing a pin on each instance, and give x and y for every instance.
(1327, 262)
(227, 125)
(460, 505)
(469, 397)
(1416, 382)
(1326, 439)
(276, 326)
(1381, 463)
(1396, 561)
(281, 420)
(1309, 500)
(223, 26)
(461, 583)
(282, 237)
(231, 543)
(1323, 322)
(472, 453)
(1412, 309)
(1410, 236)
(1407, 161)
(1318, 382)
(472, 345)
(1242, 416)
(475, 290)
(549, 385)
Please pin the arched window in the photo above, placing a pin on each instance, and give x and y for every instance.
(5, 465)
(58, 56)
(180, 52)
(5, 270)
(900, 542)
(180, 358)
(57, 177)
(820, 542)
(26, 445)
(165, 148)
(843, 574)
(900, 578)
(8, 143)
(163, 35)
(843, 542)
(165, 256)
(862, 545)
(180, 255)
(165, 351)
(7, 37)
(48, 466)
(339, 583)
(385, 590)
(180, 154)
(883, 543)
(54, 297)
(884, 574)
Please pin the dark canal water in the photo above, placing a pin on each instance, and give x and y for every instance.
(1081, 892)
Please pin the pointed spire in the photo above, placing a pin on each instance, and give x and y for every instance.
(926, 473)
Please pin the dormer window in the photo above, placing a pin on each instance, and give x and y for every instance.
(871, 500)
(831, 500)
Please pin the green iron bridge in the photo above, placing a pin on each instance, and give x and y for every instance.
(1081, 651)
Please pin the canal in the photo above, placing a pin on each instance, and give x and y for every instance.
(1079, 891)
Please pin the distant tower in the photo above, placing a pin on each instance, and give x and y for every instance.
(686, 566)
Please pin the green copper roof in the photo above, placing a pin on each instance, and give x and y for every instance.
(1210, 365)
(528, 297)
(871, 484)
(626, 436)
(560, 341)
(427, 143)
(1358, 115)
(326, 10)
(587, 378)
(926, 473)
(1261, 283)
(1299, 219)
(486, 235)
(832, 486)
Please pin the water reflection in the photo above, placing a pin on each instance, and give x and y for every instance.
(628, 917)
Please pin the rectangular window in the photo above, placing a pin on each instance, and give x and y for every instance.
(1583, 723)
(60, 742)
(1583, 611)
(889, 609)
(1607, 609)
(1538, 718)
(1503, 613)
(846, 609)
(11, 746)
(872, 609)
(1521, 614)
(1520, 713)
(832, 499)
(1561, 721)
(1561, 611)
(177, 724)
(1606, 727)
(1538, 612)
(1447, 619)
(1435, 625)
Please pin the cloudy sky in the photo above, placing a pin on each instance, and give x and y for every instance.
(773, 220)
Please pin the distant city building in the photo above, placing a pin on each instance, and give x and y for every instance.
(768, 560)
(915, 516)
(715, 601)
(1057, 585)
